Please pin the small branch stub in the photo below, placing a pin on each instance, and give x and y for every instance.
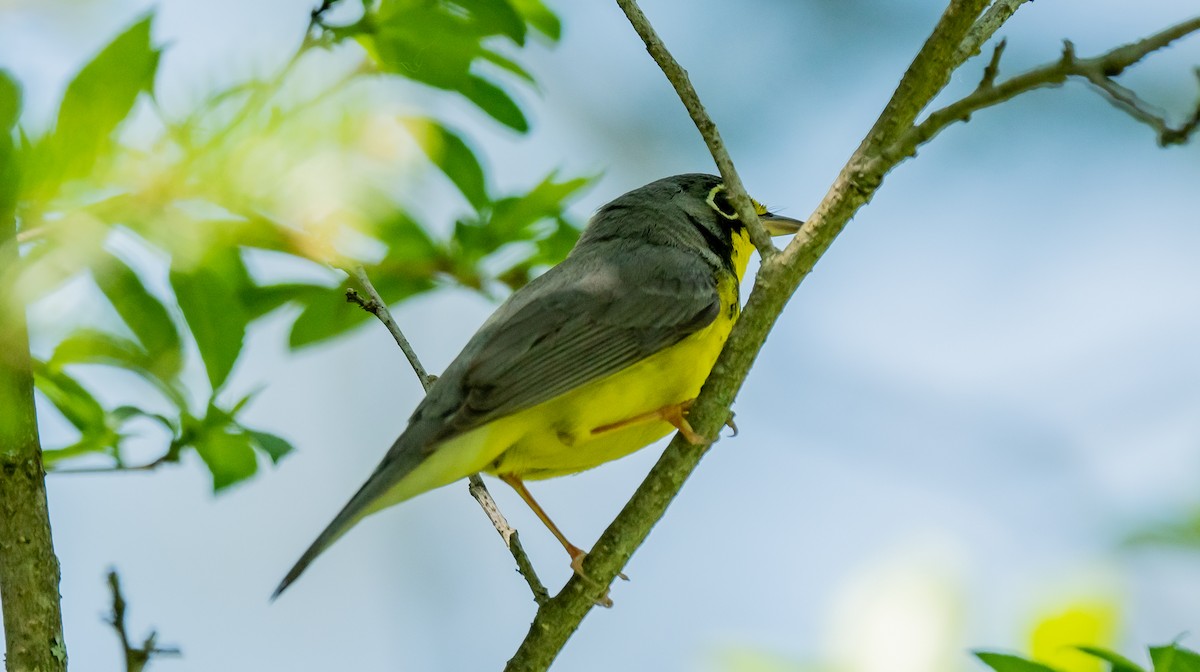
(993, 67)
(136, 657)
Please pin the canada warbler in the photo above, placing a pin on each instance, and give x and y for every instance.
(594, 359)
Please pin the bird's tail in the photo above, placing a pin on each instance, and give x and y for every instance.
(385, 487)
(406, 471)
(355, 510)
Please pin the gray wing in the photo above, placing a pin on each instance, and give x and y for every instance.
(608, 313)
(591, 316)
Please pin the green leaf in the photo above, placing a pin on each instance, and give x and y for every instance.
(1117, 662)
(71, 399)
(396, 285)
(496, 102)
(437, 43)
(87, 444)
(145, 315)
(127, 413)
(511, 217)
(262, 299)
(554, 247)
(540, 17)
(91, 346)
(496, 17)
(276, 447)
(449, 153)
(327, 314)
(10, 173)
(424, 43)
(409, 245)
(209, 296)
(508, 64)
(1003, 662)
(1183, 532)
(229, 456)
(97, 100)
(1174, 658)
(10, 101)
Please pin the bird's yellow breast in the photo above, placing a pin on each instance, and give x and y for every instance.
(556, 437)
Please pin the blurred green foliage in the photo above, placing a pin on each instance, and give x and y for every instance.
(1183, 532)
(209, 190)
(1166, 658)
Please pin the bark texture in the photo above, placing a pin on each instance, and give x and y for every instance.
(28, 567)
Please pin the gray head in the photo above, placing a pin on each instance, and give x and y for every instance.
(691, 211)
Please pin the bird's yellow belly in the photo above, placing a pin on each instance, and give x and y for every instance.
(558, 437)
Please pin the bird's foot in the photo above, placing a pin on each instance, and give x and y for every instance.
(676, 414)
(577, 556)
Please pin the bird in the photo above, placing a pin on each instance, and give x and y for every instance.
(596, 358)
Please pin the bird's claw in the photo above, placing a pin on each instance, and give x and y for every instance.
(577, 564)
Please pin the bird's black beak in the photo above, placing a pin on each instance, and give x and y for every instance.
(777, 225)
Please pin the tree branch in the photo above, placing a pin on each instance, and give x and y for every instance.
(375, 305)
(708, 130)
(169, 458)
(136, 658)
(29, 572)
(378, 308)
(985, 27)
(1099, 70)
(777, 280)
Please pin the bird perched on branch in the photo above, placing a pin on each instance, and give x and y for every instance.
(591, 361)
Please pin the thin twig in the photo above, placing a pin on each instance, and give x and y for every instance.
(1126, 100)
(136, 658)
(316, 18)
(149, 466)
(379, 309)
(32, 234)
(1096, 69)
(375, 305)
(985, 27)
(511, 539)
(993, 67)
(708, 130)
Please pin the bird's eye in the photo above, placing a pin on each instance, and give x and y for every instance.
(718, 201)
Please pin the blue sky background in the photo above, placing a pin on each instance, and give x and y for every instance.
(989, 380)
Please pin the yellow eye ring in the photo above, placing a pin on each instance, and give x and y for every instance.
(712, 202)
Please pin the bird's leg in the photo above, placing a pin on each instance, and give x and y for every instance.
(577, 554)
(574, 551)
(672, 413)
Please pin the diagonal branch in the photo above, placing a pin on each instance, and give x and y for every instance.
(375, 305)
(1098, 70)
(959, 34)
(704, 123)
(777, 280)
